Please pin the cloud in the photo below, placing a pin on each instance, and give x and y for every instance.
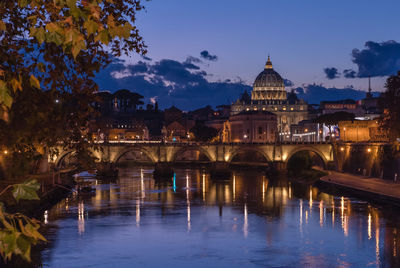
(331, 73)
(121, 74)
(171, 82)
(288, 83)
(314, 94)
(349, 73)
(377, 59)
(188, 65)
(192, 59)
(177, 72)
(206, 55)
(146, 58)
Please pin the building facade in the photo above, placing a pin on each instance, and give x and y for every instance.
(349, 106)
(362, 131)
(269, 95)
(306, 131)
(251, 127)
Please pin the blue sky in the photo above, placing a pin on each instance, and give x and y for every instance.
(302, 37)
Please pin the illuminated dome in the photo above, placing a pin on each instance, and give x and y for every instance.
(269, 85)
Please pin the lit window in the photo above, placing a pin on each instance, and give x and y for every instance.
(291, 109)
(284, 108)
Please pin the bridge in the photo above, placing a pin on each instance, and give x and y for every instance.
(157, 152)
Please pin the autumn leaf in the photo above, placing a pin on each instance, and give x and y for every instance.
(23, 247)
(103, 37)
(126, 30)
(15, 84)
(2, 26)
(34, 81)
(22, 3)
(78, 47)
(5, 97)
(90, 26)
(71, 3)
(26, 190)
(52, 27)
(39, 34)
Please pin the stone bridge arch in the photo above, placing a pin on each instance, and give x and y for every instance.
(184, 149)
(307, 149)
(141, 149)
(62, 157)
(242, 149)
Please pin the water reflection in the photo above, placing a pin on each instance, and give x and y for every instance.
(193, 220)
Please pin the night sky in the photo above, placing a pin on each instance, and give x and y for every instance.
(208, 52)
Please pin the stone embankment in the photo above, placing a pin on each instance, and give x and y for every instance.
(374, 189)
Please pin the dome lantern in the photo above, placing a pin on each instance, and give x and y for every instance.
(268, 65)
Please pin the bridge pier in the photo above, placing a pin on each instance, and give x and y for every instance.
(220, 170)
(163, 171)
(279, 167)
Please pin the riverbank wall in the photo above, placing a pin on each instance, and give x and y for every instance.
(371, 189)
(378, 160)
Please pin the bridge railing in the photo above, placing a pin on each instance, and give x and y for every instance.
(197, 143)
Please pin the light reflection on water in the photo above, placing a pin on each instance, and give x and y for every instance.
(192, 221)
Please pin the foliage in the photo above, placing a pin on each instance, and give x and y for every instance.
(26, 190)
(389, 161)
(44, 40)
(203, 133)
(50, 52)
(390, 102)
(17, 231)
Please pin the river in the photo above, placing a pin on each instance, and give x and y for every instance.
(192, 221)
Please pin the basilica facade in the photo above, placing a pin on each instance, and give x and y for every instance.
(269, 95)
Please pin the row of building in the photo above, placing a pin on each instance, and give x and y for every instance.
(270, 114)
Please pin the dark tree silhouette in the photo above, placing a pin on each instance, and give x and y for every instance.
(390, 103)
(203, 133)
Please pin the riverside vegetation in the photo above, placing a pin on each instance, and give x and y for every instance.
(50, 52)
